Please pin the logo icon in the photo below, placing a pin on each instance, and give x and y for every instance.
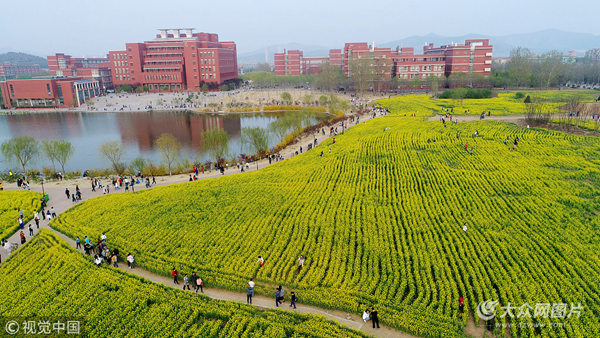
(487, 310)
(12, 327)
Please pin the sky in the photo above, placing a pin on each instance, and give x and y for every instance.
(92, 28)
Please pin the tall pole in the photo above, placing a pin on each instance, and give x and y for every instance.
(43, 192)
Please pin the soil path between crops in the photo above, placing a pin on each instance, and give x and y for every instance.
(470, 118)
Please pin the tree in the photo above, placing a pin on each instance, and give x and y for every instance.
(139, 90)
(279, 128)
(20, 149)
(323, 100)
(361, 73)
(458, 94)
(286, 97)
(415, 83)
(519, 66)
(550, 67)
(113, 151)
(256, 137)
(458, 79)
(224, 87)
(216, 142)
(169, 148)
(307, 99)
(138, 164)
(145, 88)
(263, 67)
(58, 151)
(329, 78)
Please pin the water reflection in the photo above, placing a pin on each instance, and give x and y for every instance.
(137, 131)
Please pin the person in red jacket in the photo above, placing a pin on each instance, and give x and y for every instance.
(174, 273)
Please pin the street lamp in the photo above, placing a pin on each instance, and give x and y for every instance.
(43, 192)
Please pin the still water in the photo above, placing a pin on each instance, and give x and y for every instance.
(137, 132)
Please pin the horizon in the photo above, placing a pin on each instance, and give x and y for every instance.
(102, 29)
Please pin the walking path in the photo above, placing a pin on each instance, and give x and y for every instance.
(59, 201)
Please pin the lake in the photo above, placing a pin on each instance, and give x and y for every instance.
(136, 130)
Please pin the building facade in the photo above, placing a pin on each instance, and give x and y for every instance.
(175, 60)
(48, 92)
(294, 62)
(474, 56)
(593, 54)
(87, 68)
(10, 71)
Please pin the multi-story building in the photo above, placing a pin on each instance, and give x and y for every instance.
(593, 54)
(10, 71)
(48, 92)
(175, 61)
(408, 65)
(87, 68)
(293, 62)
(473, 56)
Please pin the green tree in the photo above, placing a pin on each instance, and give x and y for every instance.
(519, 66)
(113, 151)
(145, 88)
(329, 78)
(307, 99)
(224, 88)
(22, 149)
(256, 137)
(216, 143)
(286, 98)
(139, 90)
(415, 83)
(138, 164)
(59, 151)
(126, 87)
(550, 67)
(169, 148)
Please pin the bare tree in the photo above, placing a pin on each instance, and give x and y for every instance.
(519, 66)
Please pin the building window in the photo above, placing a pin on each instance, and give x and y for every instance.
(12, 91)
(48, 88)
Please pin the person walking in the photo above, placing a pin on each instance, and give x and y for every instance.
(186, 282)
(261, 261)
(465, 228)
(193, 278)
(52, 212)
(282, 293)
(300, 262)
(174, 273)
(199, 284)
(23, 240)
(30, 230)
(277, 295)
(97, 260)
(37, 221)
(21, 224)
(293, 299)
(68, 193)
(249, 294)
(374, 317)
(130, 261)
(77, 243)
(461, 304)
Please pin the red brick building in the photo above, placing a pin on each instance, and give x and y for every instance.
(175, 60)
(294, 62)
(87, 68)
(472, 56)
(408, 65)
(10, 71)
(48, 92)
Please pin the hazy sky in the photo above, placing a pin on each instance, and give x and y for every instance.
(95, 27)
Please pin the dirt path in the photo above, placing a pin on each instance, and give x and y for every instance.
(469, 118)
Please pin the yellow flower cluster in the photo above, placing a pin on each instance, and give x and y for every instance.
(66, 285)
(11, 201)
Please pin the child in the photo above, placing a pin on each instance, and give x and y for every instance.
(294, 299)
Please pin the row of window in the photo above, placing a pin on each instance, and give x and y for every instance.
(124, 78)
(161, 77)
(119, 56)
(122, 70)
(122, 63)
(421, 59)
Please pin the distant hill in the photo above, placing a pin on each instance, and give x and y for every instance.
(23, 59)
(258, 55)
